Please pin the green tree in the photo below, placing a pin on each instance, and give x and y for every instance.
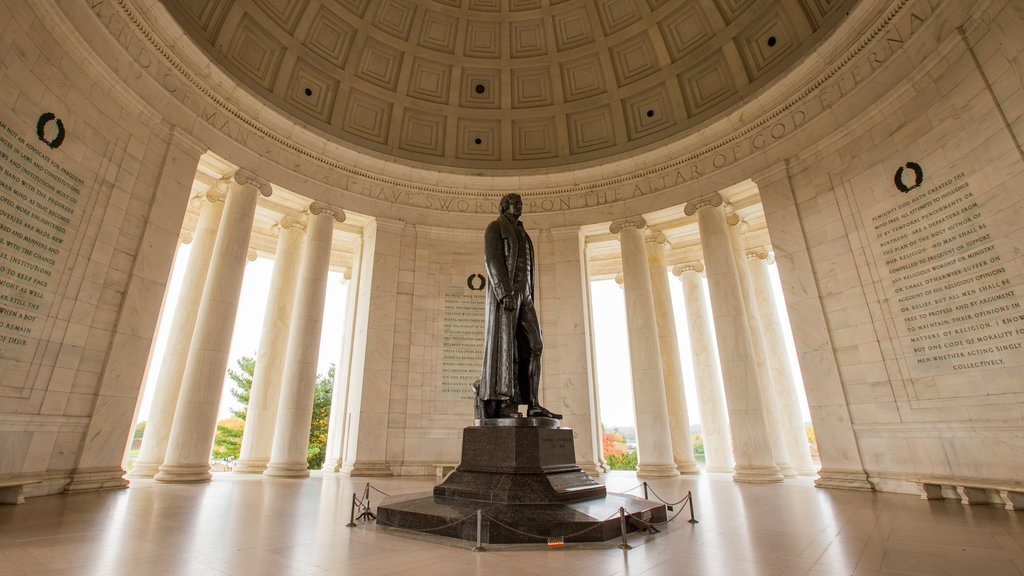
(228, 440)
(698, 444)
(321, 419)
(625, 461)
(140, 429)
(243, 380)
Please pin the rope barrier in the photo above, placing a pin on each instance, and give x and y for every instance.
(681, 500)
(378, 490)
(363, 504)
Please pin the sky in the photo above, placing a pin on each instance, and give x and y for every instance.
(611, 343)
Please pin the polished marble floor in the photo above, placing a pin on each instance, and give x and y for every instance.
(241, 525)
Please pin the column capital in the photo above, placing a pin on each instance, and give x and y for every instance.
(637, 222)
(318, 208)
(712, 200)
(656, 237)
(760, 253)
(186, 237)
(214, 194)
(252, 254)
(619, 279)
(287, 221)
(246, 178)
(695, 266)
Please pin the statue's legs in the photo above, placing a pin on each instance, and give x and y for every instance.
(529, 327)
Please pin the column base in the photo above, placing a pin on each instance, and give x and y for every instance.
(92, 479)
(787, 471)
(143, 470)
(807, 472)
(249, 467)
(332, 466)
(656, 471)
(284, 470)
(184, 473)
(843, 480)
(366, 469)
(719, 469)
(757, 474)
(689, 467)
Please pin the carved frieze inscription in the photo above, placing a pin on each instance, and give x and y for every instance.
(38, 198)
(463, 344)
(947, 287)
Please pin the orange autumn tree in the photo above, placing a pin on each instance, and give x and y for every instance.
(613, 443)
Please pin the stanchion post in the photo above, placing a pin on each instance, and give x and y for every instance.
(646, 497)
(352, 512)
(479, 531)
(622, 525)
(689, 500)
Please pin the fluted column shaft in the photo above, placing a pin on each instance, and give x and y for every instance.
(783, 379)
(168, 383)
(291, 435)
(653, 433)
(334, 458)
(261, 416)
(751, 447)
(195, 418)
(764, 375)
(671, 365)
(714, 421)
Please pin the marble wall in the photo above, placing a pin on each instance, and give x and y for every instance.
(904, 272)
(932, 87)
(68, 393)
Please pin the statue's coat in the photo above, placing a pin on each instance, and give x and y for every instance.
(508, 253)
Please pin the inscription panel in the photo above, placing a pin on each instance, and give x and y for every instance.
(38, 198)
(463, 344)
(947, 289)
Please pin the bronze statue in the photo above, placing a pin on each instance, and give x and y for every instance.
(511, 368)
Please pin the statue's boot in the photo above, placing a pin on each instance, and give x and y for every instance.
(508, 409)
(538, 411)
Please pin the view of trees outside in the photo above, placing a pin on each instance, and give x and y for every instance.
(228, 441)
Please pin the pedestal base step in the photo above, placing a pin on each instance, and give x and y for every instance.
(590, 521)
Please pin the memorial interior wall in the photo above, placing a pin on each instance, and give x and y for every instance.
(911, 218)
(88, 236)
(904, 304)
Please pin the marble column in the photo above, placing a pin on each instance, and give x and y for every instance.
(261, 416)
(100, 456)
(563, 309)
(841, 462)
(783, 379)
(714, 421)
(168, 383)
(601, 465)
(671, 365)
(195, 418)
(771, 410)
(751, 447)
(369, 393)
(334, 457)
(653, 433)
(291, 434)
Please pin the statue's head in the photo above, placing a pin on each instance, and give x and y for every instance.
(507, 203)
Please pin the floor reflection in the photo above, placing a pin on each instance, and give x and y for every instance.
(241, 524)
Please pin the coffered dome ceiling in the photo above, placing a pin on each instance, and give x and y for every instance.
(505, 84)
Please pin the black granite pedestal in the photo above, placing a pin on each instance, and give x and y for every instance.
(522, 477)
